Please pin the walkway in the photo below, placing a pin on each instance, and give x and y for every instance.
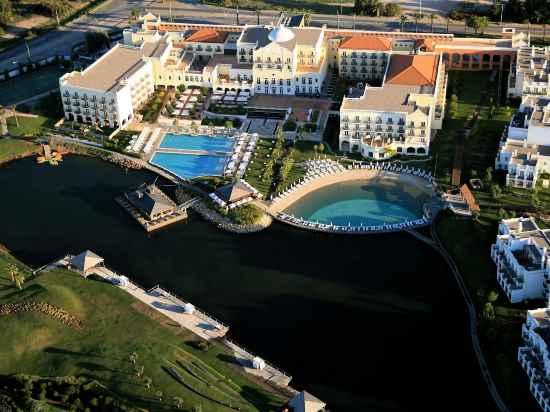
(168, 305)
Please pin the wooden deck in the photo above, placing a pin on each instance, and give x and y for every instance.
(151, 225)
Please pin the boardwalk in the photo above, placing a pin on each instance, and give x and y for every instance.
(169, 306)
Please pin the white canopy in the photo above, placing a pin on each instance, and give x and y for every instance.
(258, 363)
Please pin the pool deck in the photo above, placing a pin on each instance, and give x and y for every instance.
(345, 176)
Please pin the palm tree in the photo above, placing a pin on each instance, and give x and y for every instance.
(178, 402)
(148, 382)
(402, 20)
(433, 16)
(134, 357)
(12, 269)
(19, 279)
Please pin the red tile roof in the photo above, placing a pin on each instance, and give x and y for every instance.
(366, 43)
(207, 36)
(412, 70)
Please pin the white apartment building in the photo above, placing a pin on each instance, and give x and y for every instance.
(525, 146)
(398, 116)
(530, 75)
(521, 255)
(534, 354)
(111, 90)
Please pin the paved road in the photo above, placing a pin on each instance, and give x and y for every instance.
(112, 14)
(115, 14)
(191, 11)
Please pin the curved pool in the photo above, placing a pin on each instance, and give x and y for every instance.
(373, 202)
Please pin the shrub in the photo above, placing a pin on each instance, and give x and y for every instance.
(289, 126)
(246, 214)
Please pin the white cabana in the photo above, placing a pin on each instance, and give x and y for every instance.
(86, 260)
(123, 281)
(189, 308)
(258, 363)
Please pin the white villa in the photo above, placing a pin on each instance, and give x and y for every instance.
(521, 254)
(525, 147)
(534, 354)
(530, 75)
(399, 116)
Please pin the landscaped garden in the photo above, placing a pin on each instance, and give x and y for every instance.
(136, 355)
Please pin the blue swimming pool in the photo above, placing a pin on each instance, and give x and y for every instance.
(188, 142)
(188, 166)
(368, 203)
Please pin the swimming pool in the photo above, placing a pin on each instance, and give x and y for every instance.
(189, 142)
(369, 203)
(188, 166)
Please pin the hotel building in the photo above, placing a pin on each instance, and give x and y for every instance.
(521, 254)
(525, 147)
(399, 115)
(534, 354)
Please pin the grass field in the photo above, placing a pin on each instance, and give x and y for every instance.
(475, 92)
(28, 126)
(30, 84)
(116, 325)
(11, 149)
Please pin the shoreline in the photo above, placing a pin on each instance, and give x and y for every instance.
(348, 175)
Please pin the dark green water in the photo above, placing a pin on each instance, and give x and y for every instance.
(370, 323)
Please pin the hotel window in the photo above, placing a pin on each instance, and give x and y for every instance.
(288, 82)
(280, 82)
(266, 81)
(258, 81)
(309, 81)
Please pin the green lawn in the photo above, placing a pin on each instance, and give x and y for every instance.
(30, 84)
(114, 326)
(11, 149)
(28, 126)
(475, 91)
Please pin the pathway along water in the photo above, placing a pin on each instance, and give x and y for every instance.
(371, 323)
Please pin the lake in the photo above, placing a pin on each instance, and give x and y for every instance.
(366, 323)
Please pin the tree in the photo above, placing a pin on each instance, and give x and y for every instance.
(402, 21)
(139, 370)
(6, 12)
(133, 357)
(492, 296)
(19, 279)
(496, 192)
(229, 124)
(321, 148)
(488, 178)
(307, 18)
(392, 9)
(159, 395)
(488, 311)
(96, 41)
(178, 402)
(477, 23)
(433, 16)
(148, 382)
